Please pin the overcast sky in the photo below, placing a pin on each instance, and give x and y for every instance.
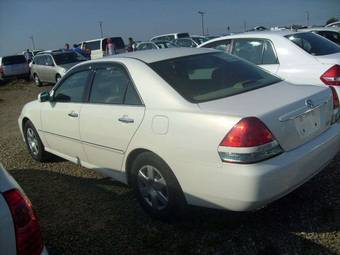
(55, 22)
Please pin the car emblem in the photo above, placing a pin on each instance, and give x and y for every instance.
(309, 103)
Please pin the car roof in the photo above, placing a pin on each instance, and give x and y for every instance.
(150, 56)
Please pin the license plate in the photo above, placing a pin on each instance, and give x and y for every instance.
(309, 123)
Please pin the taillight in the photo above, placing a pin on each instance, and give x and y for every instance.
(336, 105)
(332, 76)
(27, 231)
(1, 70)
(249, 141)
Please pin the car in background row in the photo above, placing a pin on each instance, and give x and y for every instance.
(20, 231)
(297, 57)
(334, 25)
(98, 46)
(155, 45)
(13, 67)
(169, 37)
(330, 33)
(50, 66)
(220, 133)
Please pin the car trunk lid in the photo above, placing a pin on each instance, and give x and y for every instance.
(294, 114)
(329, 59)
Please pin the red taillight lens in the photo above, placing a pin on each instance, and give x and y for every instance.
(27, 231)
(335, 98)
(332, 76)
(248, 132)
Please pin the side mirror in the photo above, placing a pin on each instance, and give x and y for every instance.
(44, 96)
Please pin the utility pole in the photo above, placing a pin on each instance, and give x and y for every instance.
(307, 16)
(101, 28)
(245, 25)
(228, 29)
(33, 44)
(202, 18)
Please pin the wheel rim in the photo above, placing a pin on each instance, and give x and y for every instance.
(36, 79)
(58, 78)
(32, 141)
(153, 187)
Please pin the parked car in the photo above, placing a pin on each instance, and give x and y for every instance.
(14, 66)
(299, 58)
(20, 232)
(334, 25)
(169, 37)
(98, 46)
(50, 66)
(330, 33)
(220, 133)
(191, 42)
(156, 45)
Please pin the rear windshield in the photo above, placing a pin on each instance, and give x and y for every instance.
(12, 60)
(330, 35)
(210, 76)
(117, 42)
(67, 57)
(183, 35)
(314, 44)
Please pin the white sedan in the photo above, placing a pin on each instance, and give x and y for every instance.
(298, 58)
(19, 232)
(186, 126)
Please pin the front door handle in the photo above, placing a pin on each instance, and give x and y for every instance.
(73, 114)
(125, 119)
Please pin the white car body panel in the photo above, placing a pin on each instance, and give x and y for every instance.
(187, 136)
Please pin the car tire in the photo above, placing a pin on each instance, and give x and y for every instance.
(34, 144)
(156, 187)
(57, 78)
(27, 78)
(37, 80)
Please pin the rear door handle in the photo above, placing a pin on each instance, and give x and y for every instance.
(73, 114)
(126, 119)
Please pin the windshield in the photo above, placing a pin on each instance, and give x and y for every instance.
(163, 45)
(210, 76)
(200, 40)
(67, 57)
(314, 44)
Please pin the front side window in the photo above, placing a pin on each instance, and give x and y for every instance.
(49, 61)
(112, 85)
(72, 88)
(313, 44)
(210, 76)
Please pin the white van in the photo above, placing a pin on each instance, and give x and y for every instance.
(98, 46)
(169, 37)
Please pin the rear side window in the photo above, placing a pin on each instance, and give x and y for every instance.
(112, 85)
(313, 44)
(257, 51)
(13, 60)
(94, 45)
(223, 45)
(210, 76)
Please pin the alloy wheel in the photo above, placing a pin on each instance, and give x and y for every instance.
(32, 141)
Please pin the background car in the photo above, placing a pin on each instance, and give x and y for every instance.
(330, 33)
(191, 42)
(334, 25)
(50, 66)
(98, 46)
(297, 57)
(220, 133)
(14, 66)
(169, 37)
(156, 45)
(20, 232)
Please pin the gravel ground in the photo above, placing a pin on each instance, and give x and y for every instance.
(82, 212)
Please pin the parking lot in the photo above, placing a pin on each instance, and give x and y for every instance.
(82, 212)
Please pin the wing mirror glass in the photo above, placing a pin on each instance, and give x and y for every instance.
(44, 96)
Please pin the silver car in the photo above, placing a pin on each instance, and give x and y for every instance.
(19, 232)
(50, 66)
(14, 66)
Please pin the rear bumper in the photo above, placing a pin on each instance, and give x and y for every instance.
(246, 187)
(15, 76)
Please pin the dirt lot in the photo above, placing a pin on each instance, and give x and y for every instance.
(82, 212)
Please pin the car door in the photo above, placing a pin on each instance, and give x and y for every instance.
(50, 69)
(111, 117)
(257, 51)
(41, 69)
(60, 115)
